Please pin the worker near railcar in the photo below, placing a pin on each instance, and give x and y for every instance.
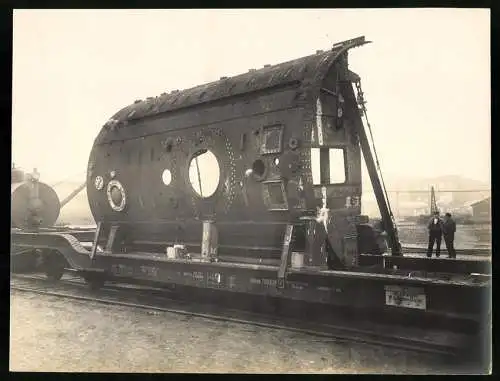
(449, 229)
(435, 227)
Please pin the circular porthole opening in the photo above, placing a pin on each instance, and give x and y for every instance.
(116, 195)
(259, 168)
(166, 177)
(204, 173)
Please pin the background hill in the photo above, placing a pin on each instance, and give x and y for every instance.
(447, 182)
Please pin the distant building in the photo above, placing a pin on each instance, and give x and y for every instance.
(481, 210)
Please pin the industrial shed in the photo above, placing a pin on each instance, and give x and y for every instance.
(481, 210)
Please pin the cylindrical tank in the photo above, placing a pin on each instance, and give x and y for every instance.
(29, 210)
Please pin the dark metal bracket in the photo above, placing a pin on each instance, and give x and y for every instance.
(96, 241)
(111, 238)
(285, 255)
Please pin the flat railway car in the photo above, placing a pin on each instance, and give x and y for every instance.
(279, 213)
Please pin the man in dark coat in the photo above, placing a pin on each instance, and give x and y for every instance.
(435, 227)
(449, 228)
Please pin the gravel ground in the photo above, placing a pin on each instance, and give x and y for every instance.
(57, 335)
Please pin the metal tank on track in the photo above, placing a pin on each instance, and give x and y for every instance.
(33, 204)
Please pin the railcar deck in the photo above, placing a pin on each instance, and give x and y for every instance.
(408, 282)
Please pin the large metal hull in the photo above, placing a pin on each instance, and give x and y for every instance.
(262, 128)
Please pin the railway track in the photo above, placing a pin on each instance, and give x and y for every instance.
(158, 300)
(461, 252)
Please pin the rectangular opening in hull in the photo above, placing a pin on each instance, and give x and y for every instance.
(328, 166)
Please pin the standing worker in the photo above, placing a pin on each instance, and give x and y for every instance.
(449, 228)
(435, 227)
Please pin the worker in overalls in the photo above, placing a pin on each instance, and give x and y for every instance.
(435, 227)
(449, 228)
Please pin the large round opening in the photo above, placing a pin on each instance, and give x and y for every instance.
(204, 173)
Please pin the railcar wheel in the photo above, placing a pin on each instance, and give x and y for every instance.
(54, 265)
(94, 282)
(54, 274)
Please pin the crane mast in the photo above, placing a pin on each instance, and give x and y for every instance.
(433, 207)
(388, 223)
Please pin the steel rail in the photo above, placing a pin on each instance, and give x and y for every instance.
(337, 333)
(468, 252)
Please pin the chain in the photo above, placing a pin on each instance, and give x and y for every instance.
(361, 97)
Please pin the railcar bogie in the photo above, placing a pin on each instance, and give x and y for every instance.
(54, 264)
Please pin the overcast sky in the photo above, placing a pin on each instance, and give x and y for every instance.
(426, 76)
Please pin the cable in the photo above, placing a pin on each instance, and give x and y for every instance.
(361, 95)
